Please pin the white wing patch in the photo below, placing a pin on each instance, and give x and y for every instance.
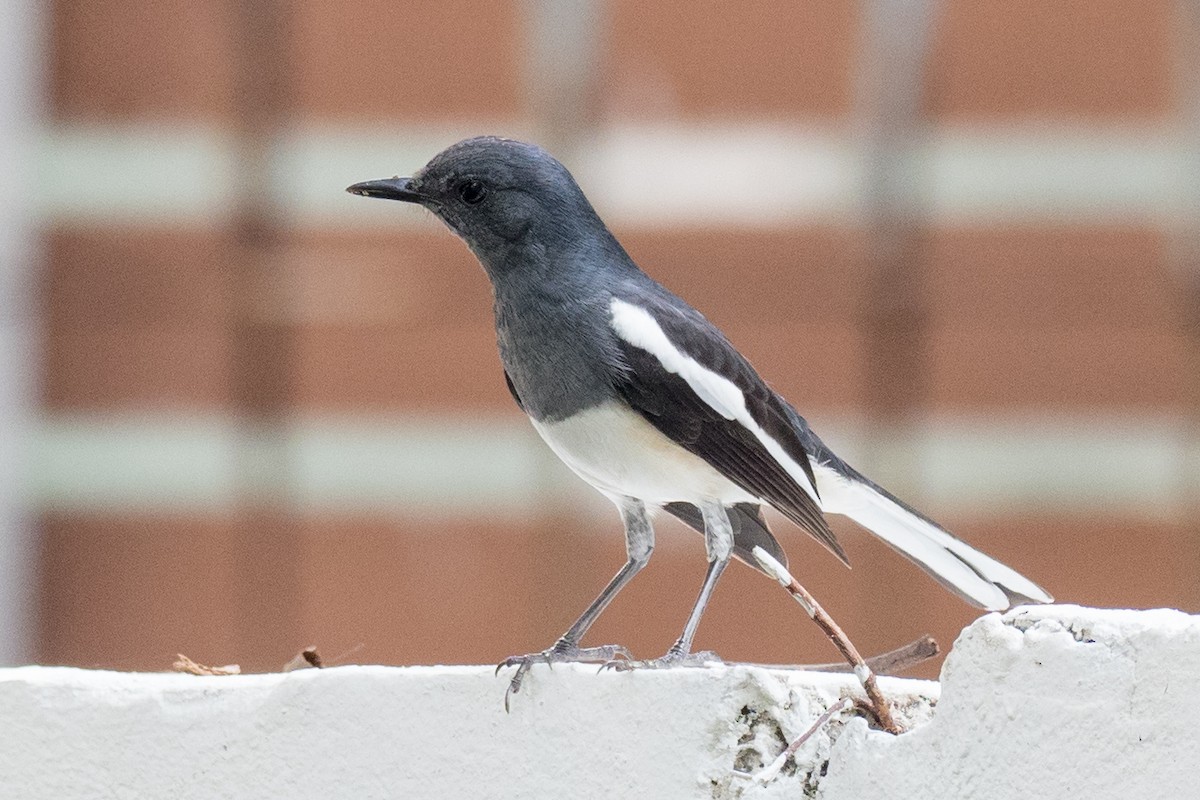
(639, 328)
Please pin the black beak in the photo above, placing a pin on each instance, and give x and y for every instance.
(388, 189)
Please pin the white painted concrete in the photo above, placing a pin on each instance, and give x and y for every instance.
(1050, 702)
(417, 732)
(1047, 702)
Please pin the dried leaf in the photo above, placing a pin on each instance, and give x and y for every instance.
(185, 664)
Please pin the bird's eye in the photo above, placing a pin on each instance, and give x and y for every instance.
(472, 192)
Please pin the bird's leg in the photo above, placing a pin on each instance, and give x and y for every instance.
(639, 544)
(718, 541)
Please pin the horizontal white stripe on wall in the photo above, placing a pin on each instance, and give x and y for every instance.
(498, 467)
(743, 174)
(164, 175)
(197, 463)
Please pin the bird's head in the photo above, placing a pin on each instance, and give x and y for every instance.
(501, 196)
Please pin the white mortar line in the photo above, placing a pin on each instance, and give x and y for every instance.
(151, 174)
(421, 466)
(440, 466)
(640, 175)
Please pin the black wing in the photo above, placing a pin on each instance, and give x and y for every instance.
(513, 391)
(669, 404)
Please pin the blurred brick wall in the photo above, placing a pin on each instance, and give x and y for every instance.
(1030, 317)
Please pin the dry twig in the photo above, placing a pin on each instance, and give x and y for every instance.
(890, 662)
(305, 659)
(771, 770)
(866, 677)
(185, 664)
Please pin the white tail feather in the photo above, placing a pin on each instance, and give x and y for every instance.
(980, 578)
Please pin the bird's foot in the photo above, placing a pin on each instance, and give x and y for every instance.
(675, 657)
(561, 652)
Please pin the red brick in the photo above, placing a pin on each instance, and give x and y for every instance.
(1054, 277)
(818, 368)
(411, 279)
(129, 276)
(977, 366)
(137, 318)
(749, 618)
(404, 320)
(477, 593)
(400, 320)
(129, 591)
(1061, 317)
(1109, 560)
(124, 59)
(458, 369)
(113, 368)
(1026, 58)
(796, 275)
(385, 62)
(365, 368)
(519, 585)
(886, 601)
(769, 58)
(413, 591)
(790, 300)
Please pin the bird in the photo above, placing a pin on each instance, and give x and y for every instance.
(646, 400)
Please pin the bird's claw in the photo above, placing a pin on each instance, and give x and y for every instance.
(673, 658)
(560, 652)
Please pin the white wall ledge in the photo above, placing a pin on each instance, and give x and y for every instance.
(1041, 702)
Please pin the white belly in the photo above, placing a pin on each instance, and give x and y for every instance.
(614, 449)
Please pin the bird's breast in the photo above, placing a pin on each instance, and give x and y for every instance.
(559, 359)
(616, 450)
